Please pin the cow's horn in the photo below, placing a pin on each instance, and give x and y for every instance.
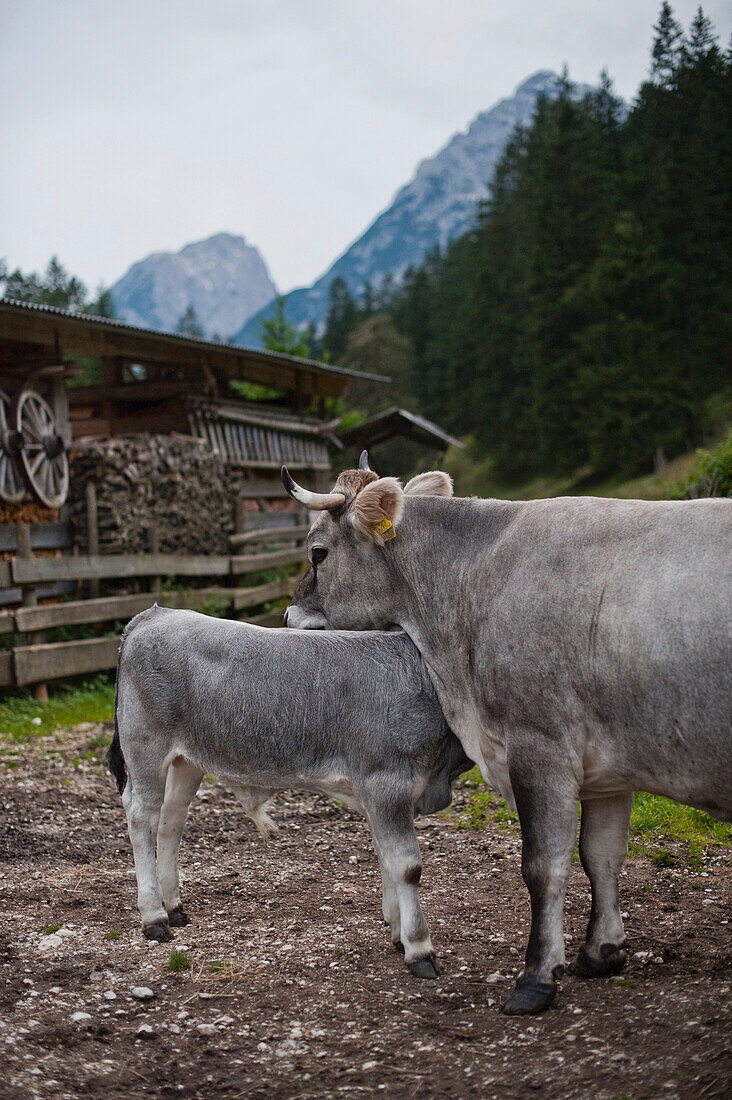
(363, 463)
(318, 501)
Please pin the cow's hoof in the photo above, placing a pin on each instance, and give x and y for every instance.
(178, 917)
(398, 946)
(158, 931)
(425, 968)
(612, 962)
(529, 997)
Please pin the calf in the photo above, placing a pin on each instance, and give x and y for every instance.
(352, 715)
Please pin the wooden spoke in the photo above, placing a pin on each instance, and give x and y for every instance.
(43, 455)
(12, 484)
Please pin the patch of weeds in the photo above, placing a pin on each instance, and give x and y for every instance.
(629, 982)
(51, 928)
(655, 818)
(68, 705)
(178, 962)
(483, 807)
(210, 779)
(218, 966)
(664, 858)
(112, 934)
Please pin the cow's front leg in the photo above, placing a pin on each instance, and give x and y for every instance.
(181, 785)
(392, 825)
(603, 847)
(546, 799)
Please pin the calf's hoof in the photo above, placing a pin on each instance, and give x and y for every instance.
(177, 917)
(425, 968)
(612, 962)
(529, 997)
(157, 931)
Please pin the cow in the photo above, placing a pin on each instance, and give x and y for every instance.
(351, 715)
(580, 648)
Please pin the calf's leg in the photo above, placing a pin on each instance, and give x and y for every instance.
(142, 799)
(389, 900)
(603, 847)
(392, 826)
(181, 785)
(546, 798)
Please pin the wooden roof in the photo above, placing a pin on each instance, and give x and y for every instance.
(401, 422)
(32, 336)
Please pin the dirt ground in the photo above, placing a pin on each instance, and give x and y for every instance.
(293, 988)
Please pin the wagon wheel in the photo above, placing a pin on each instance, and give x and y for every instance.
(12, 484)
(43, 454)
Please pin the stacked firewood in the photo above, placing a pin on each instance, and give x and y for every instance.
(173, 483)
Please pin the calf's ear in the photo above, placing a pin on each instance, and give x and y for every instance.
(434, 484)
(378, 508)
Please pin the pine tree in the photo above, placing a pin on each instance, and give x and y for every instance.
(667, 48)
(279, 335)
(188, 324)
(340, 319)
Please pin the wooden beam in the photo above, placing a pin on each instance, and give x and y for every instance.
(37, 570)
(262, 593)
(269, 534)
(37, 663)
(250, 563)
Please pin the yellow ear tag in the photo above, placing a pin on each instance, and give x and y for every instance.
(385, 529)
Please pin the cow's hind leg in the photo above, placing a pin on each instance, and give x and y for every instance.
(392, 825)
(546, 798)
(182, 783)
(142, 799)
(603, 847)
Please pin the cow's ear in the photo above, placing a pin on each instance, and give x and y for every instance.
(378, 508)
(434, 484)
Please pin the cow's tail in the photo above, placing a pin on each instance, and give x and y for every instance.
(115, 756)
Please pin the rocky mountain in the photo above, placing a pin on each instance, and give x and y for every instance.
(437, 204)
(223, 278)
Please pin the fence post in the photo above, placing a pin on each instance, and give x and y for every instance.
(92, 530)
(153, 542)
(240, 523)
(35, 637)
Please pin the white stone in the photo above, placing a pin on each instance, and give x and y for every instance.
(206, 1029)
(51, 942)
(80, 1017)
(142, 993)
(496, 976)
(144, 1031)
(110, 995)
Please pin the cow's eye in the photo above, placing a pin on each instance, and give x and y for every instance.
(318, 555)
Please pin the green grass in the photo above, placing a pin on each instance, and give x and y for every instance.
(112, 934)
(178, 962)
(68, 705)
(51, 928)
(654, 820)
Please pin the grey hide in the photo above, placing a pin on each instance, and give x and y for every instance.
(351, 715)
(581, 650)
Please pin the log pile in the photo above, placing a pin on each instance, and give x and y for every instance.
(173, 482)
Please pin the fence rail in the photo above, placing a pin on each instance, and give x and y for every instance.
(37, 661)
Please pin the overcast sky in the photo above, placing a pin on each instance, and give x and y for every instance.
(136, 126)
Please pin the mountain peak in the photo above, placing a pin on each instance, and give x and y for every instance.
(435, 206)
(222, 277)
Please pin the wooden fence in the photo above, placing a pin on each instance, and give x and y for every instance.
(36, 661)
